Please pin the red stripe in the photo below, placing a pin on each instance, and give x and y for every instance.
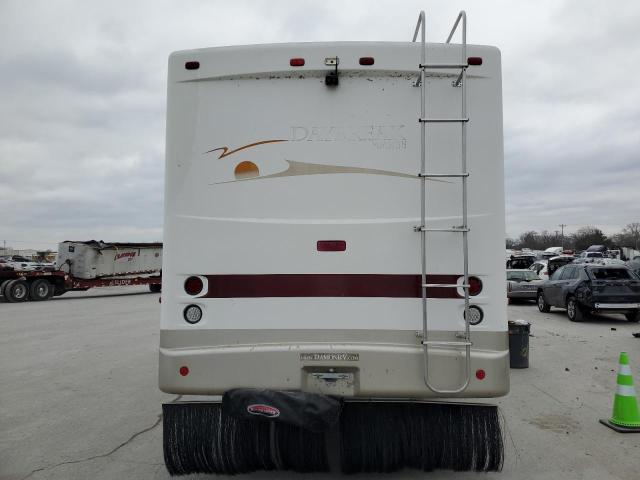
(327, 285)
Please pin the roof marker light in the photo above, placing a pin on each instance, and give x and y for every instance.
(474, 60)
(296, 62)
(480, 374)
(184, 371)
(366, 61)
(192, 65)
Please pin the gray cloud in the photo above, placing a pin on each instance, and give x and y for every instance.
(82, 90)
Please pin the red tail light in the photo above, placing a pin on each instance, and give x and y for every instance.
(296, 62)
(184, 371)
(475, 286)
(480, 374)
(474, 60)
(193, 285)
(366, 61)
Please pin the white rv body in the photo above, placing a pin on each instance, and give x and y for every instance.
(264, 161)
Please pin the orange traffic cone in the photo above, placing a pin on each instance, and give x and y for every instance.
(626, 415)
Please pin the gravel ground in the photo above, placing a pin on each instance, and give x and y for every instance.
(79, 396)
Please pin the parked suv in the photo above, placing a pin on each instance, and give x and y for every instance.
(585, 288)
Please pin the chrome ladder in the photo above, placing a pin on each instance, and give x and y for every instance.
(463, 175)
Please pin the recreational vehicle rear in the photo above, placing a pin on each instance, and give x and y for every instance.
(349, 198)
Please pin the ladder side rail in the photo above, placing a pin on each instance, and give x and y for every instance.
(465, 224)
(423, 190)
(467, 342)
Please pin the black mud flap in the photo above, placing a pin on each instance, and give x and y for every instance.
(310, 411)
(269, 430)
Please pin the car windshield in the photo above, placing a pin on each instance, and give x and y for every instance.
(610, 274)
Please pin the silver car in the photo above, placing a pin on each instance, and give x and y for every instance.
(522, 284)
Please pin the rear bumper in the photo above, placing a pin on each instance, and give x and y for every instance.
(528, 295)
(617, 306)
(381, 370)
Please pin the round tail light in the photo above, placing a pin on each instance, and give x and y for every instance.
(475, 286)
(192, 314)
(475, 315)
(193, 285)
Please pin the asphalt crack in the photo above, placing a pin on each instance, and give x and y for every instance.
(102, 455)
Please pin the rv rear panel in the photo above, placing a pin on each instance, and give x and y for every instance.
(295, 203)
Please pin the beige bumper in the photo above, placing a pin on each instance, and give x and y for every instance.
(381, 364)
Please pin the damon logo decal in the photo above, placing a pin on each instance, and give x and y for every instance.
(128, 256)
(263, 410)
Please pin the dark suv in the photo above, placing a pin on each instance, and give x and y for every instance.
(585, 288)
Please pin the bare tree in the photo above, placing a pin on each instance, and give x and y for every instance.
(631, 233)
(587, 236)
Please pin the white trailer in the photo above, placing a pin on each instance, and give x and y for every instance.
(350, 198)
(93, 259)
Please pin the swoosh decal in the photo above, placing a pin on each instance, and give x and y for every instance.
(226, 152)
(301, 168)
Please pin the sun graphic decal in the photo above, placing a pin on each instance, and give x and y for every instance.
(245, 170)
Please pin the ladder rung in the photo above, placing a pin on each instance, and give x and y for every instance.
(444, 65)
(443, 343)
(452, 229)
(443, 175)
(443, 120)
(456, 230)
(445, 285)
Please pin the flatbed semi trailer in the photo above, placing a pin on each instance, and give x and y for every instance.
(21, 286)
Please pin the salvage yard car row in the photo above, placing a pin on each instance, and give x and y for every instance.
(580, 286)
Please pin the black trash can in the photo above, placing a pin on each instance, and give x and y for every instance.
(519, 344)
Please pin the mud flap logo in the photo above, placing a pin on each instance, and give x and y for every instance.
(263, 410)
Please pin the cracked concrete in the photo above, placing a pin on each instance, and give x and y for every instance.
(79, 395)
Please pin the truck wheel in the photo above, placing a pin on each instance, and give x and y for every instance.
(543, 306)
(16, 291)
(41, 289)
(574, 310)
(2, 285)
(633, 316)
(155, 287)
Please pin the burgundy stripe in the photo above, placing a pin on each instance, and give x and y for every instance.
(327, 285)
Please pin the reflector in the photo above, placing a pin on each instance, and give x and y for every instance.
(296, 62)
(192, 65)
(331, 245)
(366, 60)
(474, 60)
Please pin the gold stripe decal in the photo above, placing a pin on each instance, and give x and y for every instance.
(301, 168)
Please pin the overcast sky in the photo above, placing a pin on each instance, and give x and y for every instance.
(83, 84)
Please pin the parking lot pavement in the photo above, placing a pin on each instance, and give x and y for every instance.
(79, 396)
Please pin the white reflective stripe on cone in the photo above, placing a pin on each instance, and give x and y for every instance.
(624, 370)
(626, 391)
